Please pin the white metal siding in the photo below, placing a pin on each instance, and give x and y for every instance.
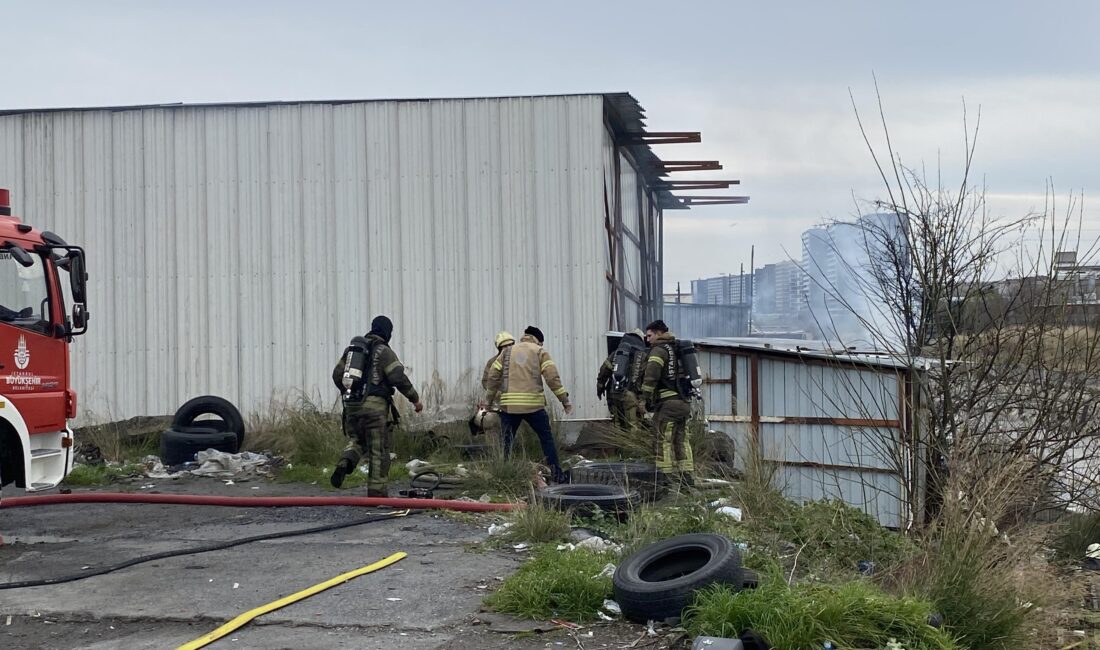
(235, 250)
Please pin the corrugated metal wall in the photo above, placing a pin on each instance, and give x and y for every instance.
(706, 321)
(235, 250)
(832, 430)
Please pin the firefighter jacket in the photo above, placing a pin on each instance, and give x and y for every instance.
(603, 379)
(385, 373)
(659, 383)
(516, 376)
(495, 406)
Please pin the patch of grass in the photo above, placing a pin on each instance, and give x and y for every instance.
(555, 584)
(300, 430)
(99, 474)
(512, 477)
(1073, 535)
(305, 473)
(650, 524)
(803, 617)
(537, 525)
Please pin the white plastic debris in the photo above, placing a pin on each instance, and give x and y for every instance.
(394, 600)
(730, 511)
(498, 529)
(236, 585)
(719, 502)
(608, 571)
(415, 465)
(154, 468)
(519, 548)
(230, 482)
(612, 607)
(599, 545)
(485, 498)
(221, 464)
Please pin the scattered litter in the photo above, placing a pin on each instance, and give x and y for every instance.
(649, 630)
(85, 567)
(210, 580)
(154, 468)
(498, 529)
(719, 502)
(393, 456)
(363, 469)
(230, 482)
(485, 498)
(730, 511)
(236, 585)
(415, 465)
(593, 543)
(223, 465)
(9, 621)
(520, 548)
(612, 607)
(255, 487)
(713, 481)
(461, 471)
(394, 600)
(483, 586)
(148, 486)
(607, 572)
(566, 624)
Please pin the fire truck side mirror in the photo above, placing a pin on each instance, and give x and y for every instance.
(77, 276)
(80, 319)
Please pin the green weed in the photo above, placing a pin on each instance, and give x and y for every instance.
(556, 585)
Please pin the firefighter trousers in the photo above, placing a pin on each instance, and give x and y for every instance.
(673, 451)
(367, 425)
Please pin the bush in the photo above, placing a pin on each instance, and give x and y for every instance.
(1074, 534)
(852, 615)
(556, 584)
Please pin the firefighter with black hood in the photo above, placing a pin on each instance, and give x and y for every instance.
(663, 393)
(367, 374)
(620, 379)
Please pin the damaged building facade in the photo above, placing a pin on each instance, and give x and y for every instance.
(234, 249)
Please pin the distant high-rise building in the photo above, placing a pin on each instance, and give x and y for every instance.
(843, 264)
(777, 288)
(722, 290)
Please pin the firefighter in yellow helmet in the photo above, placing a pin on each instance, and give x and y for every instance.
(487, 420)
(516, 378)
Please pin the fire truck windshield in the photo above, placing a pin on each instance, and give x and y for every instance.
(24, 299)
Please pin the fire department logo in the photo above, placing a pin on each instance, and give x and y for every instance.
(22, 354)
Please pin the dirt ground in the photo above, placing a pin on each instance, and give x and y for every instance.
(431, 599)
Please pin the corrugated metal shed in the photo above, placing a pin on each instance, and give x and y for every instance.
(706, 321)
(235, 249)
(832, 424)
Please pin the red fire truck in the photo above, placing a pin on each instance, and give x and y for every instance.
(39, 274)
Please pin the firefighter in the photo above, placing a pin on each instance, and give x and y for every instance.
(369, 411)
(622, 394)
(662, 394)
(516, 376)
(487, 420)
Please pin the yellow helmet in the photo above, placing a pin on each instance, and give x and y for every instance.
(503, 338)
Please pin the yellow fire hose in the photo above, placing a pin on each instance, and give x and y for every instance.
(248, 616)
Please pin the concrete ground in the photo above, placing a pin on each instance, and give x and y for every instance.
(429, 600)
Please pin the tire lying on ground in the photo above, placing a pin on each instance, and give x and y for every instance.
(650, 482)
(585, 499)
(179, 445)
(660, 580)
(188, 415)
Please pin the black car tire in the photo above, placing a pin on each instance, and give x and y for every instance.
(188, 414)
(178, 446)
(660, 580)
(585, 499)
(650, 482)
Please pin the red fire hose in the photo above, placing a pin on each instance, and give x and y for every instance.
(255, 502)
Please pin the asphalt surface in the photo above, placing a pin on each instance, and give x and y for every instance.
(431, 599)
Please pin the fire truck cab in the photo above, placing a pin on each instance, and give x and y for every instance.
(39, 274)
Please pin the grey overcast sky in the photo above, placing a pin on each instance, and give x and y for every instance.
(767, 83)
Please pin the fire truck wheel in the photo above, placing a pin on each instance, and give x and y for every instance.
(188, 414)
(179, 445)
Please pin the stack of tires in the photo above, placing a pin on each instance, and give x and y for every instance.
(206, 422)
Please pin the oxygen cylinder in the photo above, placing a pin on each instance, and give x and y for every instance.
(355, 365)
(621, 362)
(689, 366)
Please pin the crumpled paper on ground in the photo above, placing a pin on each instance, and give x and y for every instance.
(594, 543)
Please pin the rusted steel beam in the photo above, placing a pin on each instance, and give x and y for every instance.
(663, 137)
(714, 200)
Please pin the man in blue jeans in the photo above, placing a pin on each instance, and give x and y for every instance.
(517, 376)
